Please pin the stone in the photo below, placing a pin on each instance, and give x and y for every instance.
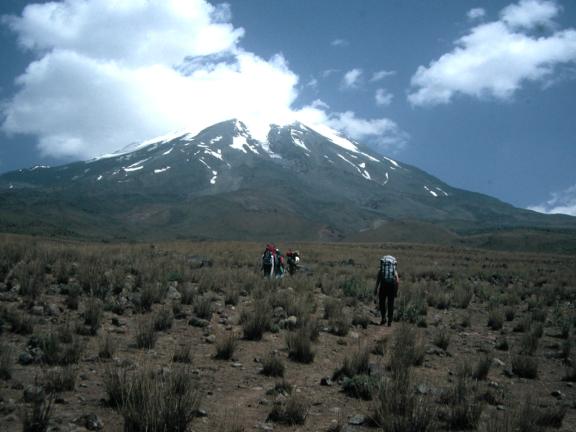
(326, 382)
(33, 393)
(90, 421)
(354, 335)
(210, 339)
(25, 358)
(198, 322)
(558, 394)
(422, 389)
(173, 293)
(53, 309)
(237, 364)
(289, 323)
(200, 413)
(357, 420)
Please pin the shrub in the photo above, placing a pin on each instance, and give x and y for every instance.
(6, 361)
(203, 307)
(360, 386)
(332, 308)
(464, 408)
(502, 344)
(163, 319)
(442, 339)
(496, 319)
(116, 384)
(462, 297)
(73, 297)
(183, 354)
(231, 296)
(406, 350)
(361, 318)
(56, 354)
(257, 323)
(340, 324)
(509, 313)
(60, 379)
(525, 366)
(107, 347)
(379, 346)
(20, 323)
(356, 363)
(146, 335)
(482, 368)
(37, 417)
(158, 403)
(93, 315)
(356, 288)
(529, 343)
(188, 293)
(539, 315)
(292, 411)
(149, 294)
(522, 325)
(272, 366)
(299, 346)
(225, 347)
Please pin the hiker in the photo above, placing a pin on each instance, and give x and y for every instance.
(268, 261)
(293, 259)
(386, 288)
(278, 264)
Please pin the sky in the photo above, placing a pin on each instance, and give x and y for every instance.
(478, 93)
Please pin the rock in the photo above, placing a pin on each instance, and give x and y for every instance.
(25, 358)
(173, 293)
(422, 389)
(508, 373)
(357, 420)
(198, 322)
(500, 407)
(90, 421)
(326, 382)
(289, 323)
(210, 339)
(17, 385)
(279, 312)
(37, 310)
(558, 394)
(237, 364)
(200, 413)
(498, 362)
(33, 393)
(53, 309)
(354, 335)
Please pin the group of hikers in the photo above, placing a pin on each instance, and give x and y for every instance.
(385, 290)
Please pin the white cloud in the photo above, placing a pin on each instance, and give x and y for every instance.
(476, 13)
(530, 13)
(495, 59)
(383, 97)
(110, 73)
(352, 78)
(380, 75)
(563, 202)
(340, 43)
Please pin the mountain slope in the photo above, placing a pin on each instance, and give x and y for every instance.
(223, 183)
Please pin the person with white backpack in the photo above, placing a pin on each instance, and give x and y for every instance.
(386, 288)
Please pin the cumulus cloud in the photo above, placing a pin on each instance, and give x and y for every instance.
(563, 202)
(476, 13)
(109, 73)
(496, 58)
(380, 75)
(352, 78)
(383, 97)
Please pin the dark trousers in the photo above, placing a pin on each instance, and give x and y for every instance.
(386, 296)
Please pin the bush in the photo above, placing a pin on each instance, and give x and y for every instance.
(525, 366)
(203, 307)
(464, 409)
(300, 346)
(6, 361)
(20, 323)
(292, 411)
(509, 313)
(116, 384)
(93, 312)
(496, 319)
(60, 379)
(332, 308)
(188, 294)
(340, 324)
(56, 354)
(356, 363)
(163, 319)
(442, 339)
(502, 344)
(146, 335)
(225, 347)
(482, 368)
(406, 350)
(37, 418)
(462, 297)
(149, 294)
(159, 403)
(379, 346)
(260, 321)
(356, 287)
(361, 318)
(183, 354)
(529, 343)
(272, 366)
(360, 386)
(107, 347)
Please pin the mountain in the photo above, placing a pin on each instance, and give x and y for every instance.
(222, 183)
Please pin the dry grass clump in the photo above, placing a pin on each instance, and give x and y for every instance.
(442, 338)
(525, 366)
(482, 368)
(56, 353)
(272, 366)
(183, 353)
(93, 312)
(146, 336)
(60, 379)
(36, 418)
(340, 324)
(496, 319)
(20, 323)
(6, 361)
(356, 363)
(291, 411)
(163, 319)
(107, 346)
(225, 346)
(258, 321)
(300, 346)
(154, 402)
(463, 408)
(203, 307)
(406, 348)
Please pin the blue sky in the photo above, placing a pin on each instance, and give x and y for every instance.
(478, 93)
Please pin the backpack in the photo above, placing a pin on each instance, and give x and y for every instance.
(388, 268)
(267, 258)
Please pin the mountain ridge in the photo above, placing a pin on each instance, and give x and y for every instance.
(222, 183)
